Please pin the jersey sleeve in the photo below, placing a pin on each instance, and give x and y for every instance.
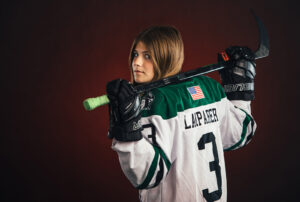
(237, 124)
(146, 162)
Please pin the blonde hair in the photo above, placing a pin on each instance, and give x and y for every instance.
(165, 46)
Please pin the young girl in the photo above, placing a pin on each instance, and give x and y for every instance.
(170, 141)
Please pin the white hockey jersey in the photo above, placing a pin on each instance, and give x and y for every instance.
(187, 127)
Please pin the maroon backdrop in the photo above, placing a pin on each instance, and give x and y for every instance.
(57, 53)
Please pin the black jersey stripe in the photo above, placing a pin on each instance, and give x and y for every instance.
(160, 173)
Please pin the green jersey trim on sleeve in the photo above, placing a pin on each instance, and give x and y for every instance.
(164, 156)
(151, 170)
(248, 119)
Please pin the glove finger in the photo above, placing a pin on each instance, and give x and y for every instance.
(127, 88)
(240, 52)
(248, 67)
(113, 87)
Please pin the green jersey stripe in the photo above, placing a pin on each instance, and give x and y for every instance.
(246, 122)
(252, 125)
(252, 132)
(164, 157)
(151, 170)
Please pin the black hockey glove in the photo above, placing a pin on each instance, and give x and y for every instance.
(238, 75)
(124, 111)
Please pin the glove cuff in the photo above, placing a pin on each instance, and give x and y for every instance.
(244, 95)
(240, 91)
(127, 132)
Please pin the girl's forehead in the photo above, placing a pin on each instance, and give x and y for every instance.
(140, 46)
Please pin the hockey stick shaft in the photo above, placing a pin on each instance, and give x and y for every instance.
(92, 103)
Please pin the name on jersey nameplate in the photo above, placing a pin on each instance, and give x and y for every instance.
(199, 118)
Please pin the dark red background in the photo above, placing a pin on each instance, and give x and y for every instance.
(57, 53)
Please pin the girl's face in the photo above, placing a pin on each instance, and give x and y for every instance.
(142, 65)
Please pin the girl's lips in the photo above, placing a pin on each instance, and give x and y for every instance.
(138, 72)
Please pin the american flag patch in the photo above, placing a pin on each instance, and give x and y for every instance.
(196, 92)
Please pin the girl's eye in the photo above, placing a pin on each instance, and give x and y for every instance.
(147, 56)
(135, 54)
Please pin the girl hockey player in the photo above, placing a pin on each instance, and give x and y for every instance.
(170, 141)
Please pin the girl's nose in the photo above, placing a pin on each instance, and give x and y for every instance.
(138, 61)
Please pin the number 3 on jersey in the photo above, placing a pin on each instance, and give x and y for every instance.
(213, 165)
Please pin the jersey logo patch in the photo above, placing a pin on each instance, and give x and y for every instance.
(196, 92)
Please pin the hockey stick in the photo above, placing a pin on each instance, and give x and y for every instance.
(262, 51)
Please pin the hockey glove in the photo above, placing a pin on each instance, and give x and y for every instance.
(124, 111)
(238, 75)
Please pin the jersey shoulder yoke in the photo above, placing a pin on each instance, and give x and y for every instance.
(169, 100)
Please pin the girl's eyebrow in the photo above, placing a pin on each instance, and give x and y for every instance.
(142, 51)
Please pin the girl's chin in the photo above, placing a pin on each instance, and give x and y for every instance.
(140, 81)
